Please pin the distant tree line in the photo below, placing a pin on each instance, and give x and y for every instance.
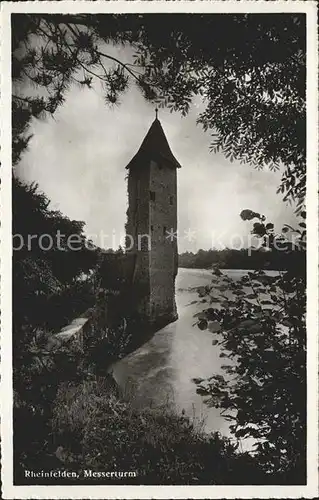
(245, 258)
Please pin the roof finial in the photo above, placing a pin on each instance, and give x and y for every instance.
(156, 113)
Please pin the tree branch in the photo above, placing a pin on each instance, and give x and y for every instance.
(102, 54)
(74, 55)
(118, 62)
(28, 100)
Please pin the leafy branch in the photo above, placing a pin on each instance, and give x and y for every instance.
(263, 335)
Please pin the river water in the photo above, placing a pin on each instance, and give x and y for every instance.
(161, 371)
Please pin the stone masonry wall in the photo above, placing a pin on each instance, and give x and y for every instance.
(152, 211)
(137, 226)
(163, 258)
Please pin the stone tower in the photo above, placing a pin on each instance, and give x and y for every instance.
(151, 219)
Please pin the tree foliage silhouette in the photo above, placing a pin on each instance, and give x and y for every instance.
(248, 69)
(260, 329)
(51, 282)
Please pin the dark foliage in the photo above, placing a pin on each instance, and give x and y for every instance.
(50, 287)
(161, 447)
(37, 376)
(261, 333)
(249, 70)
(51, 283)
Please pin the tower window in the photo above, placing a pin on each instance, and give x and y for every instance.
(164, 230)
(152, 195)
(171, 200)
(152, 228)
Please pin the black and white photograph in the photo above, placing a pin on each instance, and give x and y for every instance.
(160, 270)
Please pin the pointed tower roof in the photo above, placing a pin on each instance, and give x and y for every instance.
(155, 145)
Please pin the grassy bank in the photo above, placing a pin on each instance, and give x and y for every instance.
(94, 428)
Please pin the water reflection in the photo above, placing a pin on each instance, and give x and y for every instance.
(161, 371)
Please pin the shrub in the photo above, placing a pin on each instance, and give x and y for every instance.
(260, 328)
(37, 374)
(98, 431)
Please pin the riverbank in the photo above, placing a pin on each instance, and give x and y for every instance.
(161, 370)
(147, 422)
(94, 428)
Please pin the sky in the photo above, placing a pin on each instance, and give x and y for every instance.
(79, 156)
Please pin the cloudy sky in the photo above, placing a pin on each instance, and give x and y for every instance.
(79, 158)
